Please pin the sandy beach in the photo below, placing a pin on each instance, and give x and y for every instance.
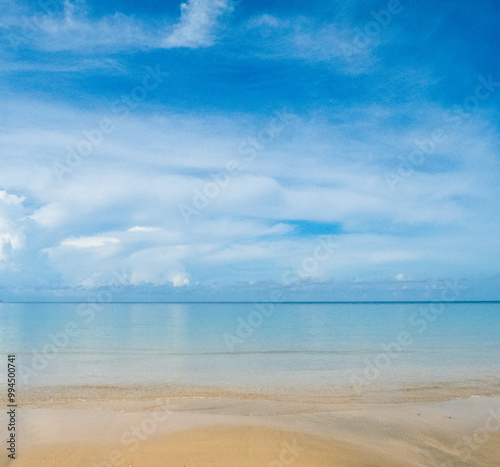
(318, 385)
(105, 427)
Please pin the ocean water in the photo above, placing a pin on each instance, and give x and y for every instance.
(315, 348)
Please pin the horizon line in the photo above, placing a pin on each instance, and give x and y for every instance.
(260, 301)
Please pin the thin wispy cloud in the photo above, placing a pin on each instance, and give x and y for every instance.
(89, 242)
(198, 23)
(70, 26)
(308, 39)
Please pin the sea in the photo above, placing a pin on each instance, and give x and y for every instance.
(314, 349)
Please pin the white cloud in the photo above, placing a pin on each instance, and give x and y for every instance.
(158, 266)
(51, 215)
(12, 237)
(6, 198)
(73, 28)
(198, 22)
(8, 242)
(89, 242)
(267, 20)
(138, 228)
(127, 196)
(305, 39)
(179, 280)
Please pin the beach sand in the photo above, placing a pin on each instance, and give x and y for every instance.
(90, 427)
(217, 446)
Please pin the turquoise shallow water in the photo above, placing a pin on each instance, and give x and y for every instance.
(320, 348)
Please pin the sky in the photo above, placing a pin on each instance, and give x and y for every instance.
(245, 150)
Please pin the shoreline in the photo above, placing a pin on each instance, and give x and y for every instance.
(40, 396)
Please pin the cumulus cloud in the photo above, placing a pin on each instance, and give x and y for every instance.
(12, 236)
(157, 265)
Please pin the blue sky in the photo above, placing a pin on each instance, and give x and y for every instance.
(220, 150)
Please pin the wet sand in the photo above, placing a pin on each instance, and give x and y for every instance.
(106, 427)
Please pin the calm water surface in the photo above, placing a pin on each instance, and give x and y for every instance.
(323, 347)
